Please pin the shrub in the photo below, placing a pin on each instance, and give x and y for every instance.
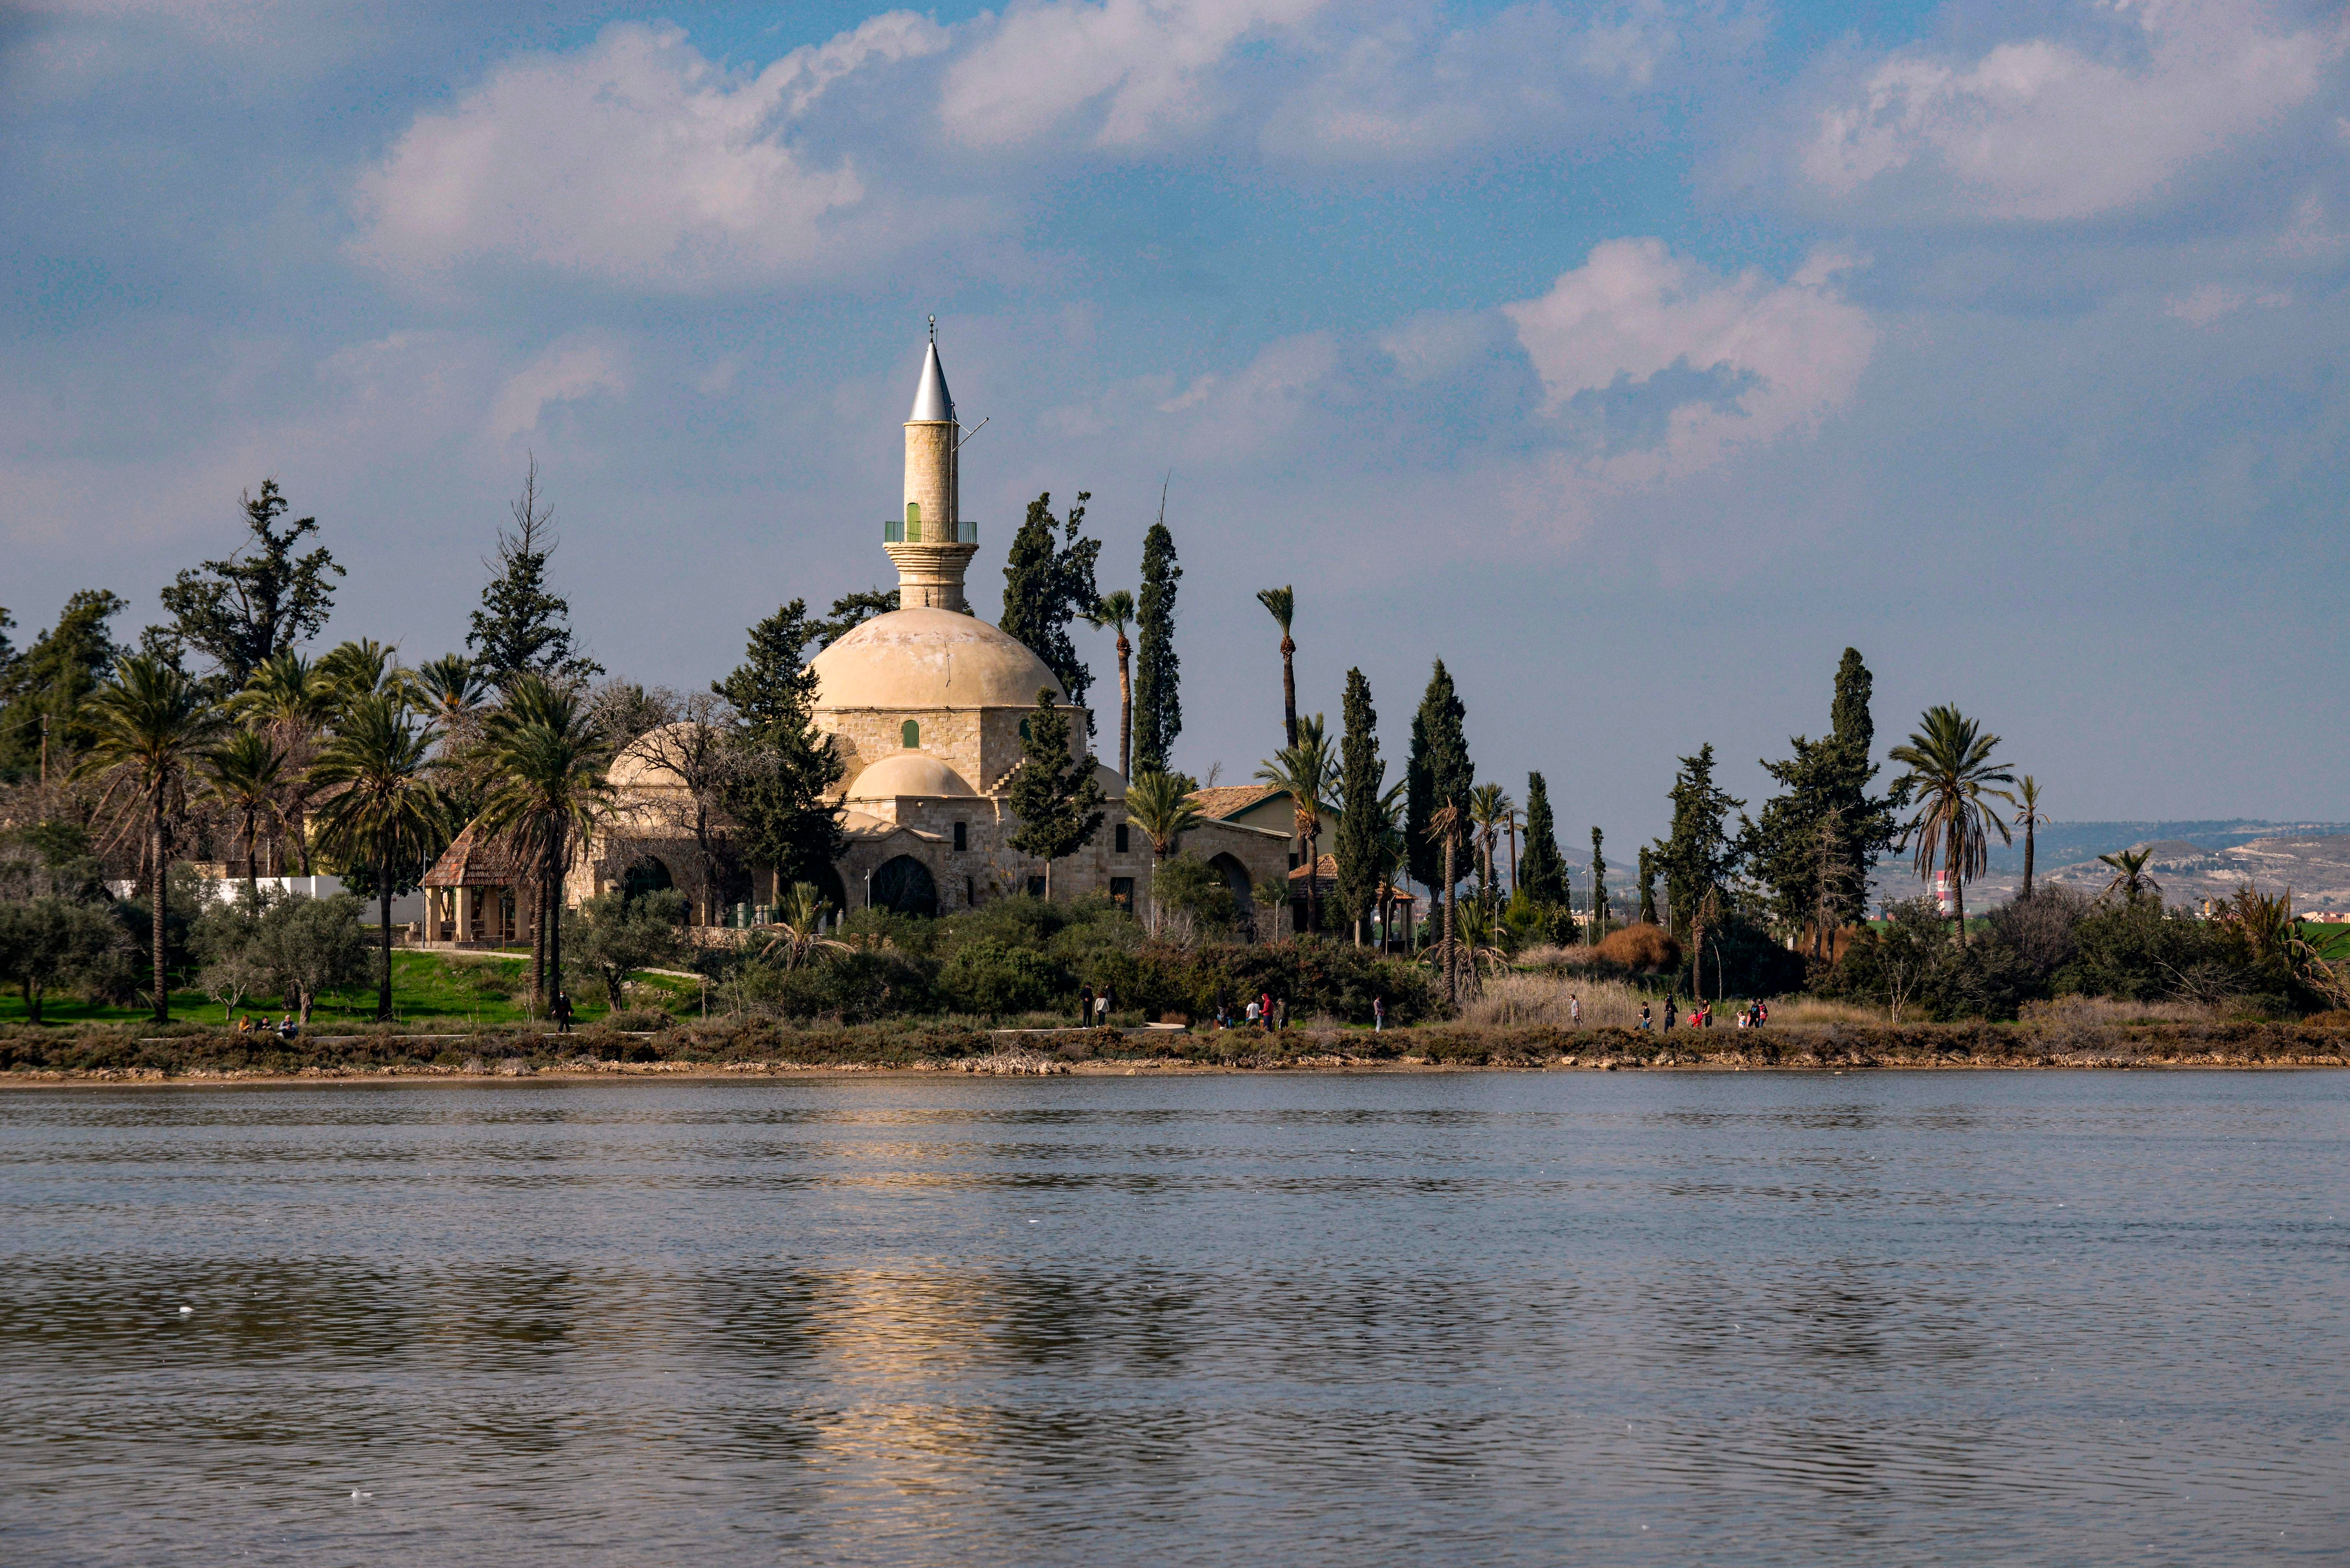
(990, 978)
(638, 1019)
(1188, 884)
(1642, 949)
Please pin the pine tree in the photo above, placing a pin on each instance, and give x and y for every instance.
(521, 629)
(1157, 701)
(1599, 889)
(1047, 584)
(850, 611)
(1825, 783)
(1440, 774)
(46, 684)
(1360, 853)
(1699, 857)
(782, 767)
(1054, 794)
(242, 612)
(1542, 874)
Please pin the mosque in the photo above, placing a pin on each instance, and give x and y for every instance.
(927, 707)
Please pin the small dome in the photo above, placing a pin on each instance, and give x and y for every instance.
(929, 658)
(907, 772)
(640, 764)
(1112, 787)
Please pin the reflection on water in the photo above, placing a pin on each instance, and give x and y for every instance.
(1514, 1318)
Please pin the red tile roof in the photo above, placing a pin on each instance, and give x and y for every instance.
(474, 859)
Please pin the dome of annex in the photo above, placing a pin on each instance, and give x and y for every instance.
(641, 765)
(907, 772)
(928, 660)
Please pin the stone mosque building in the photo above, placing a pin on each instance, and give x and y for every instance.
(925, 706)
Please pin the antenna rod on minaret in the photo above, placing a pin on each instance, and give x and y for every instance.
(934, 328)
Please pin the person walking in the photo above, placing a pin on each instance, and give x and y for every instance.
(1085, 1005)
(1644, 1016)
(1672, 1007)
(1264, 1011)
(560, 1010)
(1378, 1012)
(1285, 1012)
(1574, 1011)
(1101, 1009)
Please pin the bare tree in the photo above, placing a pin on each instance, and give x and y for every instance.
(695, 748)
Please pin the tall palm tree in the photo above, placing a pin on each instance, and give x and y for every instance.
(1489, 809)
(1283, 603)
(1445, 824)
(2028, 816)
(359, 668)
(449, 687)
(2131, 879)
(1303, 771)
(381, 804)
(287, 697)
(546, 764)
(248, 774)
(1158, 803)
(153, 729)
(1950, 776)
(1117, 608)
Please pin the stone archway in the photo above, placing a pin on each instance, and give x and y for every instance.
(1236, 877)
(903, 884)
(646, 874)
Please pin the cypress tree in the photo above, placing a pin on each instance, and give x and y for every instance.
(1361, 775)
(1598, 889)
(1824, 802)
(1047, 584)
(1647, 886)
(1158, 702)
(1542, 874)
(1439, 773)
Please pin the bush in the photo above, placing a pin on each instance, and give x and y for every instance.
(1189, 884)
(1642, 949)
(638, 1020)
(991, 978)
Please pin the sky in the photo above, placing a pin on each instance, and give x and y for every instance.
(1634, 359)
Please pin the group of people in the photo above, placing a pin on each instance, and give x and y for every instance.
(1093, 1007)
(1263, 1012)
(285, 1029)
(1754, 1015)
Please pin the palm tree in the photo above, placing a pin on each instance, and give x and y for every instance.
(1951, 776)
(2131, 879)
(1117, 608)
(546, 764)
(800, 921)
(1444, 825)
(1489, 809)
(287, 696)
(382, 805)
(1158, 803)
(1303, 771)
(2028, 816)
(359, 668)
(1283, 603)
(153, 729)
(248, 774)
(449, 688)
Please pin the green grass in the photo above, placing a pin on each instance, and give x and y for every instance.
(426, 989)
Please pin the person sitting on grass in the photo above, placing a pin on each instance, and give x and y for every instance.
(288, 1028)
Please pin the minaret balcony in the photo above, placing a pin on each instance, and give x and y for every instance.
(899, 531)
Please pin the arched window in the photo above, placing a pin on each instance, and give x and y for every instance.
(1023, 730)
(913, 521)
(909, 735)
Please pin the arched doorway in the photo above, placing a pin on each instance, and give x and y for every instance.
(1236, 877)
(903, 884)
(646, 875)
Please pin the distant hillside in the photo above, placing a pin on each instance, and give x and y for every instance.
(2063, 843)
(2193, 861)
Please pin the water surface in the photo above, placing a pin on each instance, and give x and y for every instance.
(2029, 1318)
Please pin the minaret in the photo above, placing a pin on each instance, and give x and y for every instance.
(930, 544)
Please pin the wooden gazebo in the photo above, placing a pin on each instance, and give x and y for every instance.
(474, 896)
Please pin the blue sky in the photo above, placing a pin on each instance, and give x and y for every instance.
(1633, 358)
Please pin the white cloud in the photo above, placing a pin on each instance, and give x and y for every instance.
(559, 376)
(1148, 64)
(1781, 355)
(2207, 303)
(636, 160)
(2040, 129)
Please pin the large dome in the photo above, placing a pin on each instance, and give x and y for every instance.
(929, 658)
